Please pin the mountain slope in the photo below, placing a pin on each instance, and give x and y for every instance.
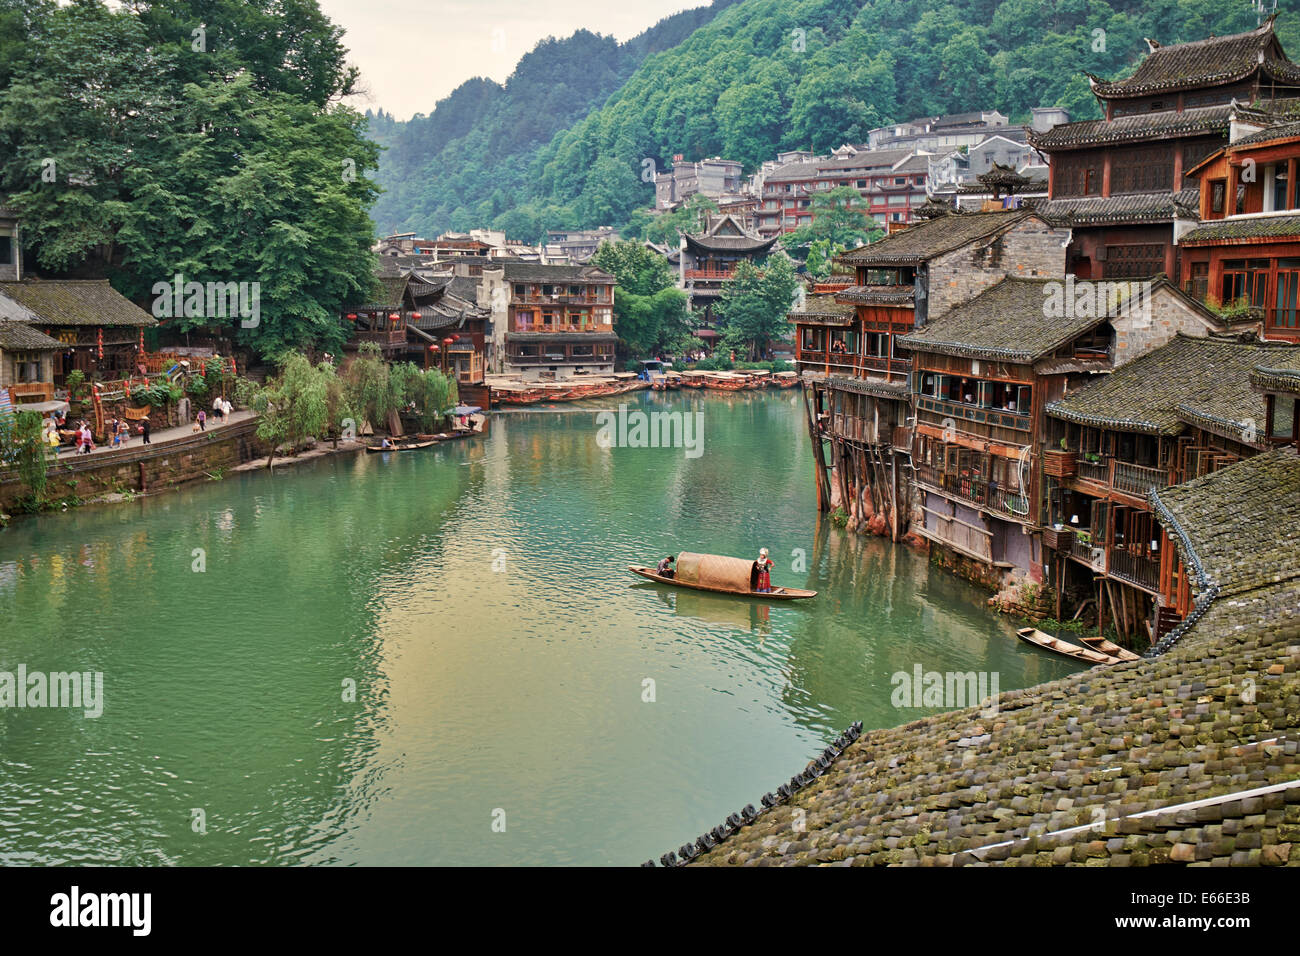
(465, 164)
(782, 74)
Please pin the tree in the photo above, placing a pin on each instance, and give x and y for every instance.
(294, 405)
(649, 311)
(23, 446)
(755, 303)
(840, 219)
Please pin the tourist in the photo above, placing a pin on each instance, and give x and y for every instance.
(144, 430)
(219, 408)
(123, 432)
(202, 420)
(761, 577)
(114, 439)
(665, 568)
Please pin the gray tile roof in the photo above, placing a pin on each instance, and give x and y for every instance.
(19, 335)
(1008, 323)
(90, 302)
(1204, 379)
(931, 238)
(1141, 127)
(1261, 227)
(1134, 208)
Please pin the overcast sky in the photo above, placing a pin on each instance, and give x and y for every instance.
(414, 52)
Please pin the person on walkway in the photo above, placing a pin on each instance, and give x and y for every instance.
(144, 430)
(219, 409)
(665, 567)
(123, 433)
(114, 438)
(762, 576)
(202, 420)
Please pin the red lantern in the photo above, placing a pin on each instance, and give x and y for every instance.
(415, 316)
(352, 316)
(99, 341)
(433, 348)
(232, 365)
(448, 341)
(394, 316)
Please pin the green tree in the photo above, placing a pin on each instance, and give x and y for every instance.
(755, 303)
(294, 405)
(840, 218)
(22, 446)
(649, 311)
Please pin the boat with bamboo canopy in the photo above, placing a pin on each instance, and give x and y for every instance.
(719, 574)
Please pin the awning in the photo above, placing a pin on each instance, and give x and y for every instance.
(466, 410)
(42, 407)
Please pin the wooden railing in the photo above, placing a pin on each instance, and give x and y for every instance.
(1009, 503)
(383, 336)
(1135, 569)
(721, 275)
(1137, 479)
(22, 392)
(1094, 471)
(1090, 554)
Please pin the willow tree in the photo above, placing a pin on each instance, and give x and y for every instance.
(23, 447)
(372, 391)
(294, 405)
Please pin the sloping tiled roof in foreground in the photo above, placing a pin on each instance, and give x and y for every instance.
(1007, 323)
(21, 336)
(931, 238)
(1094, 769)
(1208, 378)
(76, 302)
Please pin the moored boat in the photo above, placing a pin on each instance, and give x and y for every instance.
(1110, 647)
(402, 446)
(1085, 655)
(720, 574)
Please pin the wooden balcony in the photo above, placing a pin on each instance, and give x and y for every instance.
(1130, 479)
(1089, 554)
(978, 493)
(1136, 569)
(711, 275)
(21, 393)
(854, 366)
(384, 337)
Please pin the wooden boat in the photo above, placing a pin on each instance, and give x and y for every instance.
(1086, 655)
(1110, 647)
(402, 446)
(785, 379)
(719, 574)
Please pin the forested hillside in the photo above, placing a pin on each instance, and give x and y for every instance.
(465, 164)
(765, 75)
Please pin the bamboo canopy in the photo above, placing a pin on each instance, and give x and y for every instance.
(714, 570)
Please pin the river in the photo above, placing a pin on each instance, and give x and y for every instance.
(519, 697)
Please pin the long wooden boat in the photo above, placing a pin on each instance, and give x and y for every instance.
(1086, 655)
(1110, 647)
(402, 446)
(719, 574)
(785, 379)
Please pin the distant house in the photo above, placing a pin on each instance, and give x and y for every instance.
(550, 322)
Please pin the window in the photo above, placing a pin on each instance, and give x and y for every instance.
(521, 291)
(1077, 176)
(1281, 423)
(1288, 284)
(581, 351)
(1218, 195)
(1277, 195)
(812, 340)
(6, 250)
(524, 320)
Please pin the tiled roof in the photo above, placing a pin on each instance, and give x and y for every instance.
(1134, 208)
(536, 272)
(1239, 531)
(19, 335)
(1259, 227)
(1209, 62)
(879, 294)
(1007, 323)
(1276, 379)
(76, 302)
(1094, 769)
(1202, 378)
(865, 386)
(822, 307)
(931, 238)
(1270, 134)
(1135, 129)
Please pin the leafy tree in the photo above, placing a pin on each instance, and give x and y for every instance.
(294, 405)
(755, 303)
(22, 446)
(649, 311)
(840, 218)
(372, 390)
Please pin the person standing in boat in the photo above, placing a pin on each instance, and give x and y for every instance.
(665, 567)
(762, 574)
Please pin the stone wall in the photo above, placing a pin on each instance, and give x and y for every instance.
(143, 467)
(1030, 248)
(1140, 331)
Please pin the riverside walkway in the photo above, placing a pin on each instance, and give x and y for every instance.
(160, 437)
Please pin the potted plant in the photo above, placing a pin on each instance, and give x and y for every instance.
(1059, 462)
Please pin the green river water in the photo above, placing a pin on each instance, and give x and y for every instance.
(478, 596)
